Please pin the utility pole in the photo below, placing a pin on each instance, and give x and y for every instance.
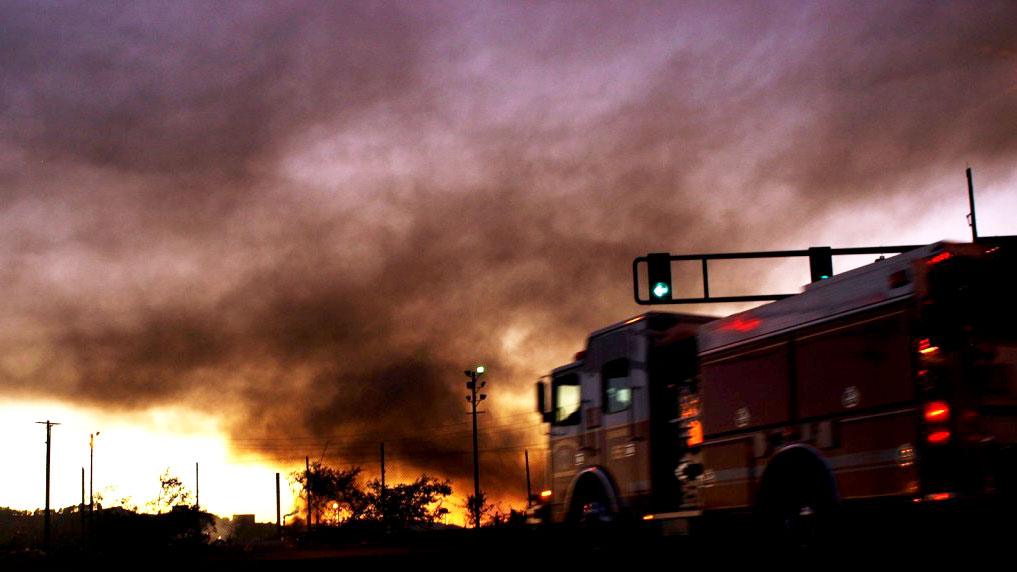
(383, 485)
(278, 512)
(474, 400)
(529, 495)
(307, 488)
(197, 489)
(81, 507)
(46, 523)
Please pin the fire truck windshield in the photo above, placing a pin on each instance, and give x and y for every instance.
(566, 399)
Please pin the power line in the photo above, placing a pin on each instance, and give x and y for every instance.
(489, 431)
(388, 436)
(368, 458)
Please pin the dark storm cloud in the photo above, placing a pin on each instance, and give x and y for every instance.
(184, 88)
(892, 94)
(312, 217)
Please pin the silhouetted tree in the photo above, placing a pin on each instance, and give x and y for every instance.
(418, 502)
(477, 509)
(108, 498)
(334, 492)
(511, 519)
(337, 494)
(171, 493)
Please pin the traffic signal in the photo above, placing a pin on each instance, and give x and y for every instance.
(820, 263)
(658, 273)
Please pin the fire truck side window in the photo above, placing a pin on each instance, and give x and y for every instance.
(567, 399)
(617, 392)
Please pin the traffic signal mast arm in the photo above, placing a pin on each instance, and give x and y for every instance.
(660, 281)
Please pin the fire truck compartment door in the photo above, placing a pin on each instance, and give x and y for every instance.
(745, 389)
(852, 367)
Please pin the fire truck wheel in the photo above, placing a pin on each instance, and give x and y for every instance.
(797, 504)
(596, 513)
(590, 508)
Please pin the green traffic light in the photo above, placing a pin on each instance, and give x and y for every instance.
(660, 290)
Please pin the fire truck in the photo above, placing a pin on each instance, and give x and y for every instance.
(891, 385)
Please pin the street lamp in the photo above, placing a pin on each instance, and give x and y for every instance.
(91, 468)
(474, 399)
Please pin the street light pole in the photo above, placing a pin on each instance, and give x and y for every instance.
(91, 469)
(474, 400)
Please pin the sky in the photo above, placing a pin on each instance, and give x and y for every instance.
(244, 233)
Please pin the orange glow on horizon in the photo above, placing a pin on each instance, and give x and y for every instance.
(137, 447)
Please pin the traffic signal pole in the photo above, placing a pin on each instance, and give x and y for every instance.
(661, 291)
(971, 202)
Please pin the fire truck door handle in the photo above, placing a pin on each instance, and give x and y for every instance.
(760, 445)
(826, 437)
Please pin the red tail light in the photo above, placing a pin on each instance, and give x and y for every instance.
(937, 411)
(939, 437)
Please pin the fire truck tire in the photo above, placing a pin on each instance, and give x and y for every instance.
(797, 504)
(590, 508)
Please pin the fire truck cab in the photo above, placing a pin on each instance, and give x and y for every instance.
(892, 384)
(614, 418)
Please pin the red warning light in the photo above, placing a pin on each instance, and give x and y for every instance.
(937, 411)
(740, 325)
(939, 437)
(939, 258)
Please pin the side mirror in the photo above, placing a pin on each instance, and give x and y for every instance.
(546, 415)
